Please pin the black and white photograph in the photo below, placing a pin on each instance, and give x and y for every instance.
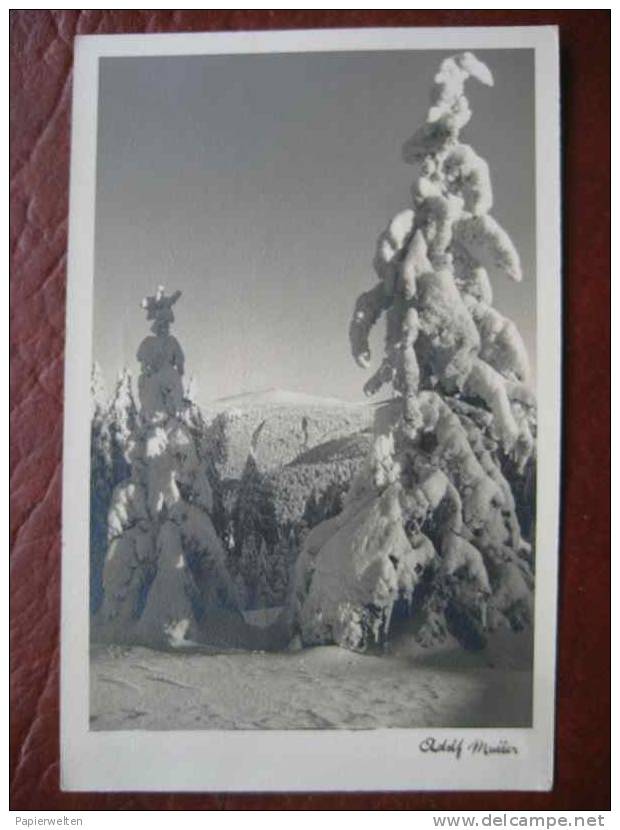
(311, 484)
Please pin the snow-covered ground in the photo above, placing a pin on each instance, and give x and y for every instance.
(325, 687)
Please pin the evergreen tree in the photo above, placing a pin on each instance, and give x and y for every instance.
(432, 519)
(112, 423)
(264, 588)
(261, 553)
(165, 569)
(122, 420)
(280, 571)
(254, 512)
(101, 484)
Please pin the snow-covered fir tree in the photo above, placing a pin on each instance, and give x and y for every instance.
(430, 529)
(98, 395)
(165, 569)
(113, 420)
(122, 419)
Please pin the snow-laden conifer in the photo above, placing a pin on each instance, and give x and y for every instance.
(165, 570)
(429, 529)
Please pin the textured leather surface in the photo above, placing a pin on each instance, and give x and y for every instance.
(41, 60)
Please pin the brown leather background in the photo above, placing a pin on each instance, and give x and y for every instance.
(41, 59)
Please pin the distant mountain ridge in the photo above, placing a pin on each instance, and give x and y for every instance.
(276, 397)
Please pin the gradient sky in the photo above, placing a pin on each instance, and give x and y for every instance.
(257, 184)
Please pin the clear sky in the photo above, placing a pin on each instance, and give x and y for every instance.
(257, 184)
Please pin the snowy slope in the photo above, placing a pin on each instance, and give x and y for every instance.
(310, 476)
(277, 426)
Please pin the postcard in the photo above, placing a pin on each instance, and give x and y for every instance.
(312, 412)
